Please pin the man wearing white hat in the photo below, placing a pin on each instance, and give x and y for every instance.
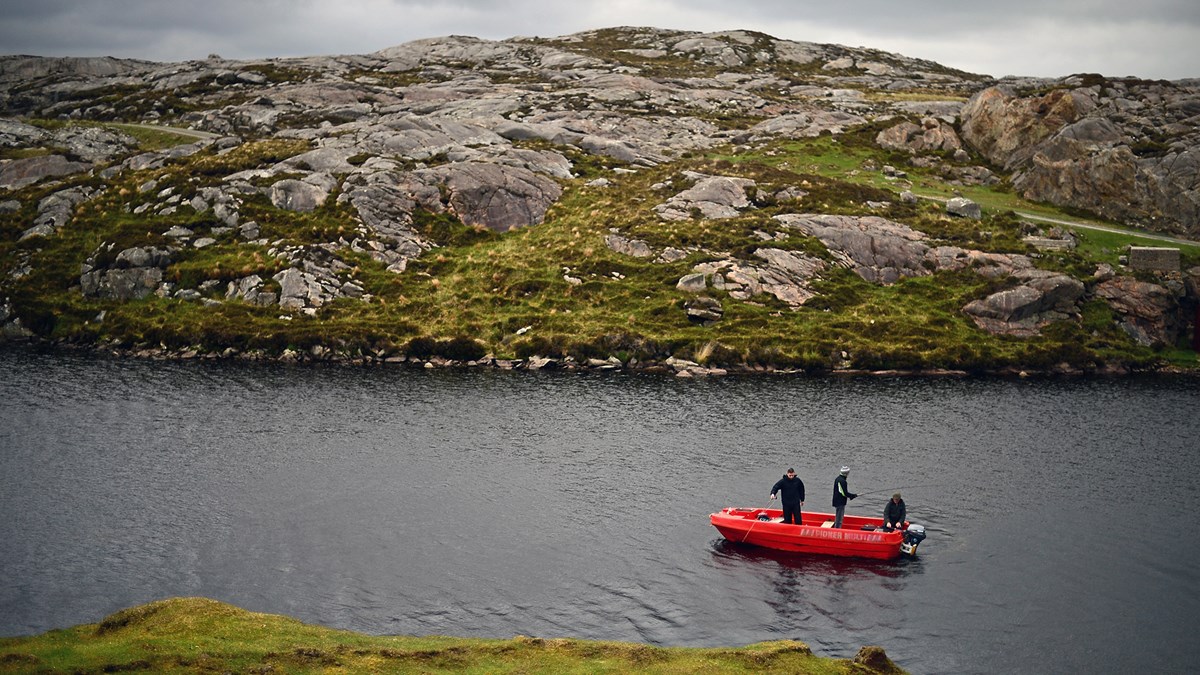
(841, 494)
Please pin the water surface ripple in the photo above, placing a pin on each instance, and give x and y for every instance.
(495, 504)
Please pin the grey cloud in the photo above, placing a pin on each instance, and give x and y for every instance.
(1057, 38)
(944, 17)
(131, 28)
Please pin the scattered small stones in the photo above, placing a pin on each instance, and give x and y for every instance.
(631, 247)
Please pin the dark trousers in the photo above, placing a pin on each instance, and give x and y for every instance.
(791, 513)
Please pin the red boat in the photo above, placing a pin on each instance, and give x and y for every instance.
(859, 536)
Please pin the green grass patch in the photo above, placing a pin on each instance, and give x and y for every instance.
(1181, 357)
(24, 153)
(918, 95)
(154, 138)
(252, 155)
(329, 222)
(222, 263)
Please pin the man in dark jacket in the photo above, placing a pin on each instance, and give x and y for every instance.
(841, 494)
(894, 513)
(791, 495)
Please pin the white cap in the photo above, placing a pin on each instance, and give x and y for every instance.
(845, 470)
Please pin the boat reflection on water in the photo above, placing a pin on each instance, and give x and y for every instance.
(791, 593)
(728, 553)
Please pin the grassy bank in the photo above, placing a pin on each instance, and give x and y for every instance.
(196, 635)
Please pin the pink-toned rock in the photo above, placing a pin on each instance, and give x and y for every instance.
(1149, 312)
(929, 136)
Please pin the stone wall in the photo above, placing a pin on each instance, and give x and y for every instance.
(1154, 258)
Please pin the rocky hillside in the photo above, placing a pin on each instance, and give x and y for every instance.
(616, 198)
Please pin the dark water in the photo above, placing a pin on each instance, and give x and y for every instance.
(495, 504)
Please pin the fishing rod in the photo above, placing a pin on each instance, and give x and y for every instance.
(896, 489)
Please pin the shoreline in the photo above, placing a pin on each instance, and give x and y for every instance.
(203, 635)
(672, 367)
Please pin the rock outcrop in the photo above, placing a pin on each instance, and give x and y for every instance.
(495, 196)
(1040, 298)
(56, 210)
(877, 249)
(786, 275)
(1128, 150)
(963, 207)
(132, 274)
(18, 173)
(1148, 312)
(301, 195)
(10, 324)
(931, 135)
(251, 290)
(712, 197)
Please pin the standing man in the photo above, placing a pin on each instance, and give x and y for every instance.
(894, 514)
(791, 495)
(841, 494)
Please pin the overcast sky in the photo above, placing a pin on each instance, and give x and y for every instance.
(1146, 38)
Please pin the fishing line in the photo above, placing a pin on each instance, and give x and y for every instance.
(897, 489)
(756, 521)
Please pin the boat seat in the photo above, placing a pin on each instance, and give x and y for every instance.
(828, 523)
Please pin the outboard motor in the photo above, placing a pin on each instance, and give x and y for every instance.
(913, 536)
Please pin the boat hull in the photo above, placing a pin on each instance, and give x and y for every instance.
(742, 525)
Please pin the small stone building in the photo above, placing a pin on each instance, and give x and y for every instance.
(1154, 258)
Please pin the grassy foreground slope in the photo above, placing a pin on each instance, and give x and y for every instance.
(189, 635)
